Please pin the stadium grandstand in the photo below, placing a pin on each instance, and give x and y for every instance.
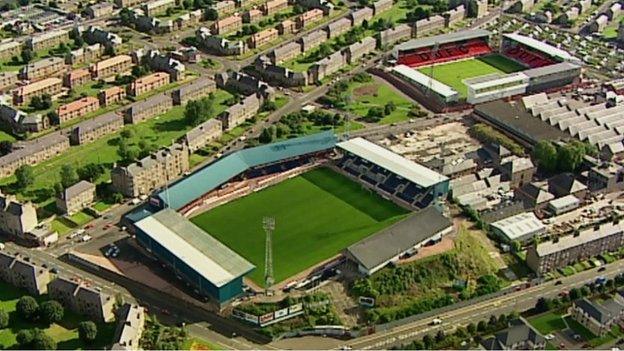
(495, 86)
(399, 240)
(443, 48)
(533, 53)
(394, 175)
(212, 268)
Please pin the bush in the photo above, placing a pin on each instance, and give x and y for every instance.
(27, 307)
(489, 135)
(51, 311)
(87, 331)
(4, 319)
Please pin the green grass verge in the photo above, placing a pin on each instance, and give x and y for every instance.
(62, 226)
(548, 323)
(317, 214)
(454, 73)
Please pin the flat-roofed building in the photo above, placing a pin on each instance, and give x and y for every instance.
(47, 40)
(285, 53)
(338, 27)
(358, 17)
(151, 172)
(95, 128)
(130, 326)
(7, 80)
(84, 55)
(194, 90)
(100, 9)
(356, 51)
(228, 24)
(563, 205)
(16, 271)
(148, 83)
(49, 67)
(237, 114)
(146, 109)
(16, 218)
(263, 37)
(157, 7)
(570, 249)
(90, 301)
(10, 49)
(381, 6)
(274, 6)
(50, 86)
(77, 109)
(309, 17)
(312, 40)
(203, 134)
(252, 16)
(495, 86)
(287, 26)
(77, 77)
(404, 237)
(76, 197)
(522, 227)
(111, 67)
(111, 95)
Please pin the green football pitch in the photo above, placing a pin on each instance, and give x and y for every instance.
(453, 73)
(317, 214)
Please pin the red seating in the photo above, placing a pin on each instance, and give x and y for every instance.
(445, 53)
(528, 57)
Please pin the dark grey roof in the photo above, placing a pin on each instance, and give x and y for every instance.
(97, 122)
(564, 184)
(382, 246)
(140, 106)
(519, 331)
(597, 311)
(197, 84)
(443, 39)
(550, 69)
(25, 149)
(77, 189)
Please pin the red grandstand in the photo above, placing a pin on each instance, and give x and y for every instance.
(443, 48)
(531, 52)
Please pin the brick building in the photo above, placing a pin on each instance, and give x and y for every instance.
(49, 86)
(148, 83)
(111, 67)
(77, 109)
(146, 109)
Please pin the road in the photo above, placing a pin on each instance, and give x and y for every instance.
(516, 301)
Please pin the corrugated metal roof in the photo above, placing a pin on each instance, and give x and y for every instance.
(519, 225)
(540, 46)
(442, 39)
(196, 248)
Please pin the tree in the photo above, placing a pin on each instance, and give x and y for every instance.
(198, 111)
(42, 341)
(91, 172)
(27, 55)
(87, 331)
(24, 337)
(25, 176)
(53, 117)
(440, 336)
(69, 176)
(4, 319)
(51, 311)
(472, 328)
(418, 14)
(6, 147)
(27, 307)
(546, 155)
(126, 133)
(543, 304)
(117, 198)
(267, 135)
(389, 108)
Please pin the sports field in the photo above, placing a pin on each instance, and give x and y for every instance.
(316, 215)
(453, 73)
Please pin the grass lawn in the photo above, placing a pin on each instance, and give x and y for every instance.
(611, 31)
(374, 94)
(101, 206)
(548, 322)
(195, 344)
(64, 333)
(160, 131)
(81, 218)
(62, 226)
(453, 73)
(316, 214)
(567, 271)
(4, 136)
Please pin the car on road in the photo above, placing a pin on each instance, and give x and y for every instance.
(436, 321)
(549, 336)
(602, 269)
(86, 238)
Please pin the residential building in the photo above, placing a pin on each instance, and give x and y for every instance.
(570, 249)
(16, 218)
(429, 25)
(534, 195)
(323, 5)
(218, 45)
(520, 335)
(203, 134)
(228, 24)
(356, 51)
(279, 75)
(521, 6)
(312, 40)
(252, 16)
(455, 15)
(151, 172)
(518, 171)
(10, 49)
(327, 66)
(148, 83)
(224, 8)
(157, 7)
(482, 8)
(263, 37)
(47, 40)
(188, 20)
(194, 90)
(243, 83)
(338, 27)
(49, 67)
(237, 114)
(95, 128)
(273, 6)
(564, 184)
(285, 53)
(76, 78)
(357, 17)
(309, 17)
(599, 317)
(20, 122)
(287, 26)
(111, 95)
(7, 80)
(100, 9)
(76, 109)
(111, 67)
(83, 299)
(522, 227)
(49, 86)
(128, 3)
(146, 109)
(96, 35)
(394, 35)
(130, 326)
(381, 6)
(86, 54)
(76, 197)
(18, 272)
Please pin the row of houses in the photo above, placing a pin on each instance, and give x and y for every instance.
(602, 20)
(153, 25)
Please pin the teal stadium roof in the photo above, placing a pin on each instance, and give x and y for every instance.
(213, 175)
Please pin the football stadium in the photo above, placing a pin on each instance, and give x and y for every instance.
(328, 201)
(460, 69)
